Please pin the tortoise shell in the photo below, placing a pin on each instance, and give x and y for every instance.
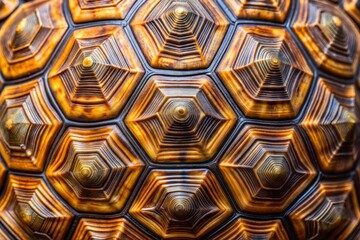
(184, 119)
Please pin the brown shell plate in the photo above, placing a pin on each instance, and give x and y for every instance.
(179, 119)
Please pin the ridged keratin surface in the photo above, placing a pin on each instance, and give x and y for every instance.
(179, 119)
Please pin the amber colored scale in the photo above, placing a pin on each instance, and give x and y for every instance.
(179, 119)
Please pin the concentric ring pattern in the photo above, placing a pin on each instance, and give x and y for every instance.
(29, 36)
(181, 203)
(93, 79)
(259, 10)
(330, 37)
(179, 119)
(243, 228)
(179, 34)
(31, 211)
(107, 229)
(268, 165)
(266, 72)
(87, 11)
(94, 169)
(182, 120)
(28, 125)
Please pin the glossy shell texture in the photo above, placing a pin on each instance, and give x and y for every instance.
(179, 119)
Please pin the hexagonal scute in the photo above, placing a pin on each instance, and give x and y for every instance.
(88, 11)
(29, 37)
(331, 211)
(330, 37)
(352, 7)
(266, 168)
(28, 126)
(119, 228)
(182, 119)
(31, 211)
(183, 203)
(243, 228)
(179, 34)
(266, 72)
(330, 122)
(7, 7)
(94, 169)
(95, 74)
(267, 10)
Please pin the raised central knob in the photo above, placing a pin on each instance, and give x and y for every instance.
(25, 213)
(85, 173)
(90, 170)
(279, 173)
(21, 25)
(275, 60)
(180, 211)
(181, 112)
(181, 208)
(9, 124)
(88, 62)
(181, 11)
(337, 21)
